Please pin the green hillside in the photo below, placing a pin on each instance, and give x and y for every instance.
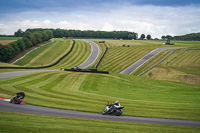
(182, 66)
(50, 53)
(168, 91)
(46, 54)
(78, 91)
(78, 55)
(119, 58)
(9, 122)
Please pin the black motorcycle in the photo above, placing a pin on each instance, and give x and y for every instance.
(113, 109)
(16, 100)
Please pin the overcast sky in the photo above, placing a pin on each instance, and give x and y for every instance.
(154, 17)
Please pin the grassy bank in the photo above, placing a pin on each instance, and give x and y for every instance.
(23, 123)
(118, 58)
(182, 66)
(47, 54)
(78, 91)
(50, 53)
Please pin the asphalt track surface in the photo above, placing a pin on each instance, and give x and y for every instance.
(24, 108)
(12, 74)
(93, 56)
(147, 57)
(29, 109)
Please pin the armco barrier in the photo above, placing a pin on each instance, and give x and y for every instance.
(87, 70)
(43, 66)
(101, 58)
(165, 59)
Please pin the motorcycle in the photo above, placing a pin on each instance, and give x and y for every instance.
(112, 109)
(16, 100)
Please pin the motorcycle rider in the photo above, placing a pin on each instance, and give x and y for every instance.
(114, 106)
(20, 95)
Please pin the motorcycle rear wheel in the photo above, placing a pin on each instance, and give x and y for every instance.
(17, 101)
(118, 113)
(104, 112)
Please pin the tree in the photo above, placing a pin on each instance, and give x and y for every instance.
(1, 53)
(33, 40)
(45, 37)
(19, 33)
(27, 34)
(15, 47)
(38, 37)
(142, 36)
(6, 53)
(21, 45)
(149, 37)
(49, 34)
(132, 36)
(27, 42)
(169, 37)
(163, 37)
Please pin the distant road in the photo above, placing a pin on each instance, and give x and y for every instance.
(93, 56)
(147, 57)
(24, 108)
(12, 74)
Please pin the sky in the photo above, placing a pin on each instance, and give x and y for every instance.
(153, 17)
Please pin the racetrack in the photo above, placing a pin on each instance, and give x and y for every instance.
(12, 74)
(147, 57)
(93, 56)
(24, 108)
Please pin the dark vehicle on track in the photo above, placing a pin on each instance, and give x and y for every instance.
(18, 98)
(113, 109)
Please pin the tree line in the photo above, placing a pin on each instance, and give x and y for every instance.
(148, 37)
(29, 39)
(59, 33)
(187, 37)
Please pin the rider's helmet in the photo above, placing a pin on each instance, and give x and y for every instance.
(116, 102)
(23, 91)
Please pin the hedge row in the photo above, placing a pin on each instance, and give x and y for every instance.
(30, 39)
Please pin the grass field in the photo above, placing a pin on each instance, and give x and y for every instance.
(50, 53)
(152, 95)
(10, 38)
(118, 58)
(7, 40)
(182, 66)
(46, 54)
(78, 91)
(79, 54)
(23, 123)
